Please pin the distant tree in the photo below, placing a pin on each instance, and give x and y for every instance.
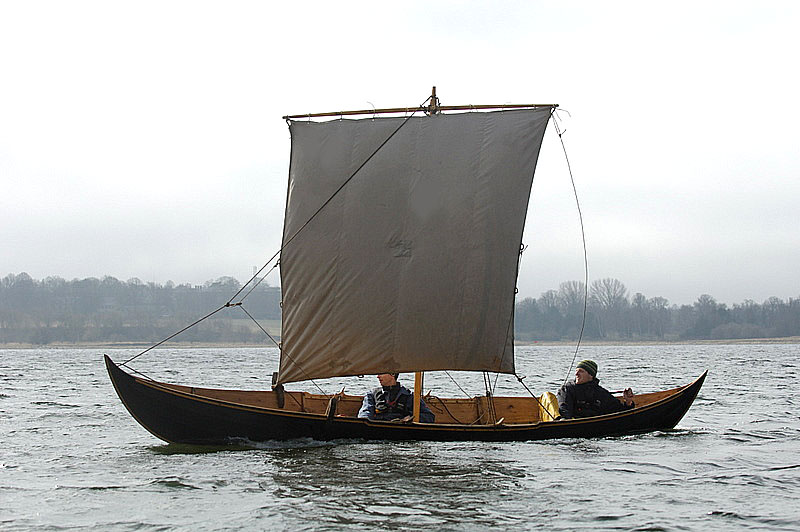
(526, 317)
(639, 315)
(708, 315)
(747, 312)
(571, 298)
(549, 326)
(660, 317)
(571, 295)
(106, 309)
(736, 330)
(609, 298)
(789, 323)
(609, 293)
(224, 283)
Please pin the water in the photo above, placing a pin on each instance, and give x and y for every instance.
(72, 458)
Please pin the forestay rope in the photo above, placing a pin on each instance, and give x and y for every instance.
(434, 105)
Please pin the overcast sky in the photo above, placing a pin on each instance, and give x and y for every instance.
(145, 139)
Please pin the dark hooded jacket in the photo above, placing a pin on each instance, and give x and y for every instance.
(587, 399)
(386, 403)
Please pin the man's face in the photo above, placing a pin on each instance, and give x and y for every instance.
(581, 376)
(387, 379)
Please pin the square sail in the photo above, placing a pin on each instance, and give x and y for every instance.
(412, 265)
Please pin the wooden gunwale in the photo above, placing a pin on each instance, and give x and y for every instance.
(171, 389)
(174, 414)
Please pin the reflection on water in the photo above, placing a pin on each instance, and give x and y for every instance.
(72, 457)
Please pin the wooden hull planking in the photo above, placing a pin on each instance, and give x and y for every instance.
(181, 414)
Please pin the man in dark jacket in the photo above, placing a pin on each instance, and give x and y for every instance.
(584, 396)
(391, 401)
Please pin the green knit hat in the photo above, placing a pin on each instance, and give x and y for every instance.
(590, 366)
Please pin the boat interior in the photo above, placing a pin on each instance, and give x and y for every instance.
(472, 411)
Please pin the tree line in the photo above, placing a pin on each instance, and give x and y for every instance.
(54, 310)
(612, 315)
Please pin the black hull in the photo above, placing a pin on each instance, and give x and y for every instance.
(180, 417)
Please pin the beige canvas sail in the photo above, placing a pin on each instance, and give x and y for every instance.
(412, 265)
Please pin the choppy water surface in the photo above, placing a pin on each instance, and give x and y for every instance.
(72, 458)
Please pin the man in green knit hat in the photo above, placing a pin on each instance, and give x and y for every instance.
(584, 397)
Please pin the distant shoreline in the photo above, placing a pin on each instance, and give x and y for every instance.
(206, 345)
(729, 341)
(132, 345)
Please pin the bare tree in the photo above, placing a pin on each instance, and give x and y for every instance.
(611, 299)
(570, 295)
(609, 293)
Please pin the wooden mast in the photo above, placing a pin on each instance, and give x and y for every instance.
(433, 108)
(418, 378)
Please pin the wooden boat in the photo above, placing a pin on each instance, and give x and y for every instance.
(204, 416)
(400, 252)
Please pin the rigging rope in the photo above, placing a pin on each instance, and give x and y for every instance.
(324, 204)
(283, 246)
(279, 348)
(255, 275)
(168, 338)
(346, 181)
(444, 405)
(520, 379)
(259, 326)
(226, 305)
(583, 238)
(560, 134)
(457, 385)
